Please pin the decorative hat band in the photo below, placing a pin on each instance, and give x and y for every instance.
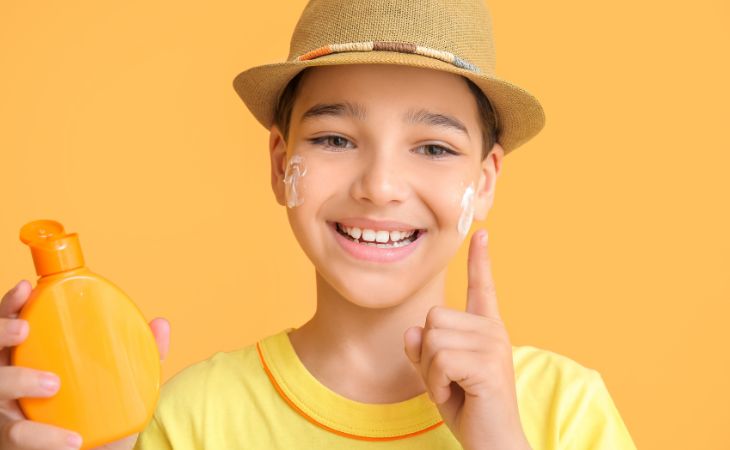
(401, 47)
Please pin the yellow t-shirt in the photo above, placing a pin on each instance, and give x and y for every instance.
(263, 397)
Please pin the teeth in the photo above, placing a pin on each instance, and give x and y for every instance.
(368, 235)
(393, 245)
(371, 237)
(382, 236)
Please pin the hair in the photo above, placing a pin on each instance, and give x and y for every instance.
(488, 119)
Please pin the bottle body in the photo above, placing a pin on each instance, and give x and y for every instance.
(87, 331)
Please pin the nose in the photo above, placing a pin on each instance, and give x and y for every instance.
(381, 181)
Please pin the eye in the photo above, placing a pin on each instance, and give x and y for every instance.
(330, 141)
(434, 151)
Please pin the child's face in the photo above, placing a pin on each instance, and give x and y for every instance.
(370, 166)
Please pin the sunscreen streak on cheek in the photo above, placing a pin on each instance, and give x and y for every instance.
(467, 210)
(295, 170)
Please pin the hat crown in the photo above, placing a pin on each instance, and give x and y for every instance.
(461, 27)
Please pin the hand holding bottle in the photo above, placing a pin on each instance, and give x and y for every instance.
(16, 432)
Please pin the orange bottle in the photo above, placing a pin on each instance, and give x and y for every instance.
(88, 332)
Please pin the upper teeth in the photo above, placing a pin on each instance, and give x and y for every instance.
(369, 235)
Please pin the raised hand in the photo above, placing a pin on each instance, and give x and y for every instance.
(465, 358)
(16, 431)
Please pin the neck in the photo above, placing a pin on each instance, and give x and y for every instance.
(358, 352)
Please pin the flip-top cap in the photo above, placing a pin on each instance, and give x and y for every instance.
(52, 248)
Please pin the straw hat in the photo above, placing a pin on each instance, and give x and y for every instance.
(450, 35)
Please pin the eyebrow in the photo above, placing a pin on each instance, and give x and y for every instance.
(357, 111)
(353, 110)
(436, 119)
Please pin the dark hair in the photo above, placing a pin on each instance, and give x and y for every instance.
(488, 122)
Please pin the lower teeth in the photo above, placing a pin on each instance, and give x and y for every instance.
(393, 245)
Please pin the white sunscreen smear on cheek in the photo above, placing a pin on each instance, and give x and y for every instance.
(467, 210)
(295, 170)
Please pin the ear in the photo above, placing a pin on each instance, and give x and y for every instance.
(489, 169)
(277, 154)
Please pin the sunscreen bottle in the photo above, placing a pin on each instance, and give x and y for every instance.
(87, 331)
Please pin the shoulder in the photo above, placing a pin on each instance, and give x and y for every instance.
(531, 361)
(565, 403)
(213, 379)
(219, 365)
(546, 377)
(199, 395)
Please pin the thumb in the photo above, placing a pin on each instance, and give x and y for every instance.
(161, 330)
(412, 342)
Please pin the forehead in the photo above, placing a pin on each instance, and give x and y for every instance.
(394, 86)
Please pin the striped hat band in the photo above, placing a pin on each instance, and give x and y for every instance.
(402, 47)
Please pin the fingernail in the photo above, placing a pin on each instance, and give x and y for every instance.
(50, 382)
(74, 440)
(483, 238)
(17, 326)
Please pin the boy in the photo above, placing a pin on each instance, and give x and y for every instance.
(388, 131)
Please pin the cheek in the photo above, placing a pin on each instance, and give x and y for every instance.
(308, 185)
(451, 200)
(308, 179)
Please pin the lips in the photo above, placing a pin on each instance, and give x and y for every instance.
(384, 250)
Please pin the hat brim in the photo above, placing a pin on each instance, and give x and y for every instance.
(520, 115)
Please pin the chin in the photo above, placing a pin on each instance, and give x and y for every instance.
(370, 290)
(380, 300)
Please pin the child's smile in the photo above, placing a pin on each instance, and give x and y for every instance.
(379, 241)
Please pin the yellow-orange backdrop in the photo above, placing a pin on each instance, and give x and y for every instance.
(608, 235)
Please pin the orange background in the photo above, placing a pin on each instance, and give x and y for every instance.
(608, 235)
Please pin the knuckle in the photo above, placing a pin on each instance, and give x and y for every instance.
(8, 383)
(18, 382)
(500, 338)
(432, 338)
(433, 318)
(25, 381)
(495, 322)
(440, 359)
(13, 432)
(13, 331)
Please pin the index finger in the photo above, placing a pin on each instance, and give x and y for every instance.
(481, 296)
(13, 300)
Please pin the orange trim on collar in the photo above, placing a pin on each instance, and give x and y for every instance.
(321, 425)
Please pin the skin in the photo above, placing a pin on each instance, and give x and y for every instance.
(381, 332)
(16, 432)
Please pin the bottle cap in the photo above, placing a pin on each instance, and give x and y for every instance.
(52, 248)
